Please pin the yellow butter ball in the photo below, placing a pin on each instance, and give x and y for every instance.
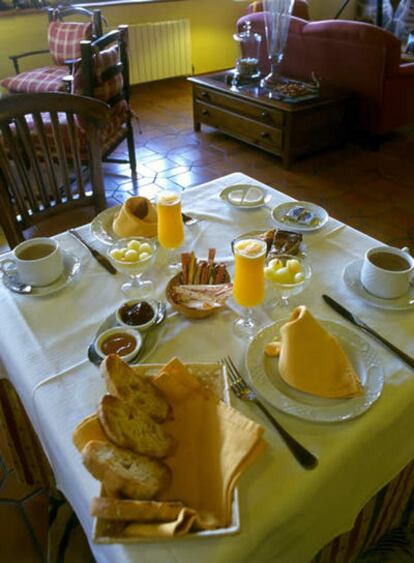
(293, 265)
(283, 275)
(145, 247)
(275, 263)
(131, 256)
(134, 245)
(299, 277)
(144, 256)
(116, 254)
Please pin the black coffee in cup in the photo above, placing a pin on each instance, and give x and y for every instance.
(389, 261)
(35, 251)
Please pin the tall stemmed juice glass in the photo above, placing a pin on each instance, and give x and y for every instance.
(248, 283)
(170, 226)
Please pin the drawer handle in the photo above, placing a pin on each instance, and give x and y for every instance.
(204, 112)
(205, 95)
(265, 115)
(264, 135)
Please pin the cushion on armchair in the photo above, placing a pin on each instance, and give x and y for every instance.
(64, 39)
(44, 79)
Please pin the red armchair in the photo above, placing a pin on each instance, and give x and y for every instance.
(358, 57)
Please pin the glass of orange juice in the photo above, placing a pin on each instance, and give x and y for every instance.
(248, 283)
(170, 226)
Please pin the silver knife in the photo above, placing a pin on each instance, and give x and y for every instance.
(103, 261)
(356, 321)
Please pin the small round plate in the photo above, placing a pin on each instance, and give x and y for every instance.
(101, 225)
(257, 233)
(281, 216)
(245, 196)
(352, 278)
(71, 270)
(264, 375)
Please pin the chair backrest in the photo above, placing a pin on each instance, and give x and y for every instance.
(41, 172)
(104, 69)
(94, 16)
(104, 74)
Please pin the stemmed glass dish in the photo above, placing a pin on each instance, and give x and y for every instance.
(289, 275)
(170, 226)
(248, 283)
(132, 256)
(277, 20)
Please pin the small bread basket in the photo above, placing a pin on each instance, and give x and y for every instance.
(190, 312)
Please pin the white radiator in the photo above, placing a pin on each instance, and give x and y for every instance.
(159, 50)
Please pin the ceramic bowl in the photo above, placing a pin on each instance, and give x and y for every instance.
(129, 333)
(142, 326)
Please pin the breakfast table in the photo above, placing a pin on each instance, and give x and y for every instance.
(287, 513)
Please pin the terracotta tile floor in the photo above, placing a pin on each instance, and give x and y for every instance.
(372, 191)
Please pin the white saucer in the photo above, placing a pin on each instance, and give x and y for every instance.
(71, 270)
(279, 215)
(351, 276)
(245, 196)
(101, 225)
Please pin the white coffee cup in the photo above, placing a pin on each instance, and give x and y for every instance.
(386, 271)
(37, 262)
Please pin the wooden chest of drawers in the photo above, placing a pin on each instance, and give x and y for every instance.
(288, 130)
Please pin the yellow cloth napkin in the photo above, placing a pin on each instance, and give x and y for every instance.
(137, 218)
(215, 444)
(312, 360)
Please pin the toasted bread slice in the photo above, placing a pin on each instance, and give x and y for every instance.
(110, 508)
(125, 472)
(123, 382)
(88, 429)
(129, 427)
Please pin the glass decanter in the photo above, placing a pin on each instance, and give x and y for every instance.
(247, 65)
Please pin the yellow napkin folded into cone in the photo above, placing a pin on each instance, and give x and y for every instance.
(312, 360)
(137, 218)
(215, 444)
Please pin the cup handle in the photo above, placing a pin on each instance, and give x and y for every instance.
(8, 267)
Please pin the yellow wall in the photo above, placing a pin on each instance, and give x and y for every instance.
(212, 26)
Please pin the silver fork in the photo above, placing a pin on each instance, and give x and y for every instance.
(246, 393)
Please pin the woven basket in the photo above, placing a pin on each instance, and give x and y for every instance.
(189, 311)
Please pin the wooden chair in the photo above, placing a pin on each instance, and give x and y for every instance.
(103, 73)
(41, 172)
(64, 39)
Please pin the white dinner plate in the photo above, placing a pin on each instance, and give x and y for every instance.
(264, 375)
(101, 225)
(352, 278)
(281, 217)
(71, 270)
(245, 196)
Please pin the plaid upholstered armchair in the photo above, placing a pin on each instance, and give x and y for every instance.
(64, 39)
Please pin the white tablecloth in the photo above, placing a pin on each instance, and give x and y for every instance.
(287, 513)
